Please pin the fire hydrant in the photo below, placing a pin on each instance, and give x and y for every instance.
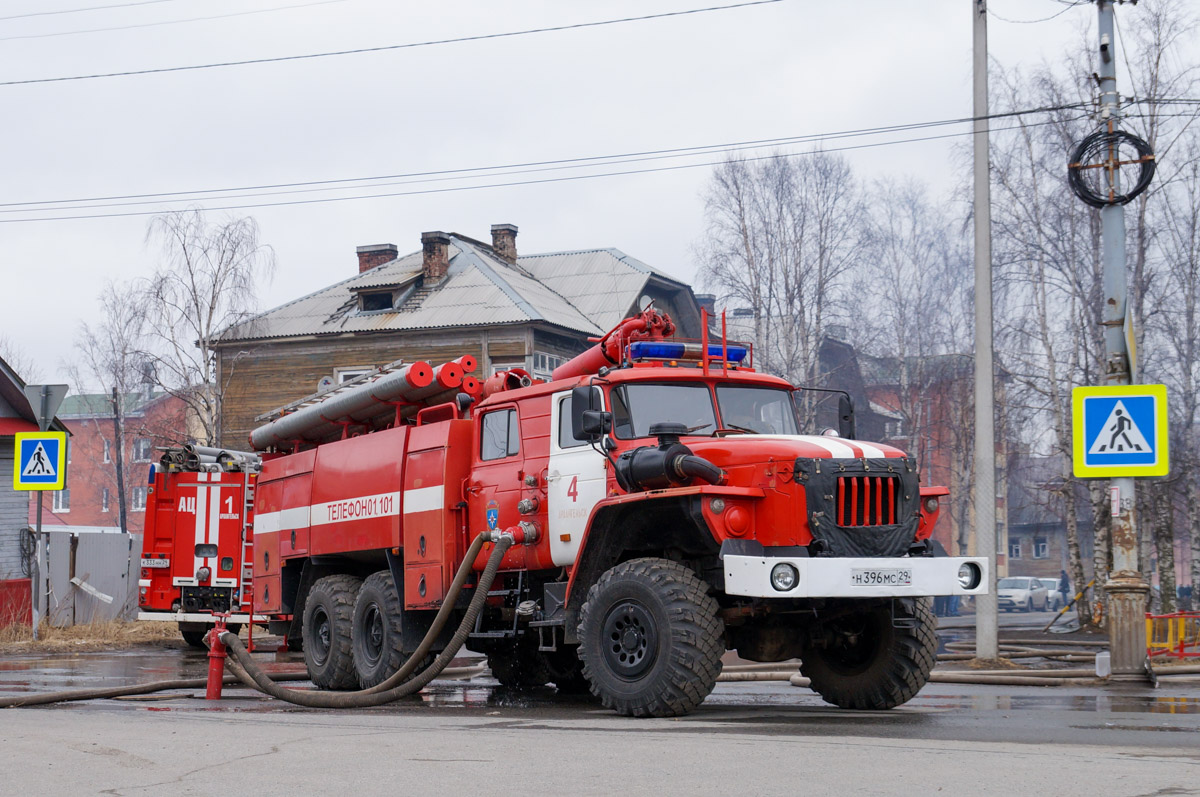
(216, 659)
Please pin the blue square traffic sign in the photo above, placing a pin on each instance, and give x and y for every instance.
(40, 461)
(1120, 431)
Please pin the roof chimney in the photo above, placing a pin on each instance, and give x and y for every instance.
(375, 255)
(504, 242)
(708, 301)
(435, 256)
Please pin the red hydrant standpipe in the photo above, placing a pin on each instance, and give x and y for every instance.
(216, 659)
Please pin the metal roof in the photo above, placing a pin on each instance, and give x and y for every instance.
(587, 291)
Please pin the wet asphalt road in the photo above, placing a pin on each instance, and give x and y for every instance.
(473, 735)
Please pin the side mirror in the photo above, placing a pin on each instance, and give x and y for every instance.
(588, 419)
(846, 417)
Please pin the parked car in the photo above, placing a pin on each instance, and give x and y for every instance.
(1021, 593)
(1054, 599)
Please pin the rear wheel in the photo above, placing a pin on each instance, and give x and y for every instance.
(194, 637)
(863, 661)
(328, 620)
(377, 631)
(651, 641)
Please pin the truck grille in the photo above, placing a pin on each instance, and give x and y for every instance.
(867, 500)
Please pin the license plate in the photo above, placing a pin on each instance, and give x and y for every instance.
(160, 563)
(881, 577)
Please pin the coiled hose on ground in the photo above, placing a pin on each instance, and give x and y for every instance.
(395, 687)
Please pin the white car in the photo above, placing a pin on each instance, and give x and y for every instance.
(1022, 594)
(1054, 601)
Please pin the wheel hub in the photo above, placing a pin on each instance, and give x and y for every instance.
(374, 640)
(322, 638)
(630, 639)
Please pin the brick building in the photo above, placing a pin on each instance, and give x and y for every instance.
(454, 296)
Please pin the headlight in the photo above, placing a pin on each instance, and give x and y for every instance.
(931, 505)
(717, 505)
(784, 577)
(969, 575)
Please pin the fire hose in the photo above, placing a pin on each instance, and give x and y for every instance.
(244, 669)
(398, 685)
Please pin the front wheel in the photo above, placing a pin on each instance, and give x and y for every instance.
(870, 659)
(650, 639)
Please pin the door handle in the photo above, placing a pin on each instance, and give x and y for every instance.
(553, 476)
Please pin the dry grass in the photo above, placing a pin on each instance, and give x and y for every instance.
(112, 635)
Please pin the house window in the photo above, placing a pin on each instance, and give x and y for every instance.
(139, 499)
(497, 367)
(107, 451)
(500, 435)
(346, 374)
(141, 449)
(374, 302)
(104, 500)
(68, 449)
(1041, 548)
(893, 429)
(544, 364)
(1014, 549)
(62, 501)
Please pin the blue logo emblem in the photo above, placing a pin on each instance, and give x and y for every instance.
(493, 515)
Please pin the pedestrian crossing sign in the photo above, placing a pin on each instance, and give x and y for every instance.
(40, 461)
(1120, 430)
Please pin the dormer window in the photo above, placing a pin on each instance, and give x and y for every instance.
(377, 300)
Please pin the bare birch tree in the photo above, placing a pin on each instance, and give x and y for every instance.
(207, 282)
(781, 234)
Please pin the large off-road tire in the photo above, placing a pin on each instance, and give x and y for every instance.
(863, 661)
(651, 640)
(518, 667)
(328, 619)
(377, 629)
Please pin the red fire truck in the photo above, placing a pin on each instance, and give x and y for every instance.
(667, 505)
(198, 538)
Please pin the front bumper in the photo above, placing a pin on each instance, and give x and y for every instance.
(852, 577)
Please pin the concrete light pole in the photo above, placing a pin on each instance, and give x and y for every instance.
(986, 622)
(1126, 588)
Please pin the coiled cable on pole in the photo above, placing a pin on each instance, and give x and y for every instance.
(1101, 151)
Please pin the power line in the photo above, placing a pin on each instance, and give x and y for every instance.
(168, 22)
(80, 10)
(508, 184)
(610, 159)
(409, 45)
(1055, 15)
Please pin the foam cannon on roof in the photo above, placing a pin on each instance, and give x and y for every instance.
(362, 404)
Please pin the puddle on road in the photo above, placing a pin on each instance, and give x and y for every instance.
(1141, 704)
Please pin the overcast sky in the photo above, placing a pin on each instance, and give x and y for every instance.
(790, 68)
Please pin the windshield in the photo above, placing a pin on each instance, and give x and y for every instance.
(764, 410)
(1013, 583)
(636, 407)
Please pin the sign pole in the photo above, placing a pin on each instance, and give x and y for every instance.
(45, 401)
(1126, 588)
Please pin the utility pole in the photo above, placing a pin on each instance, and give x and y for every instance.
(1126, 588)
(986, 621)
